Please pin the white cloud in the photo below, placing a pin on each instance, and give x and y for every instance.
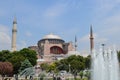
(110, 29)
(85, 53)
(107, 22)
(100, 40)
(22, 44)
(84, 42)
(28, 34)
(85, 38)
(4, 29)
(104, 9)
(112, 25)
(5, 40)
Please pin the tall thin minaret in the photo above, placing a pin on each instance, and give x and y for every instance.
(75, 43)
(14, 33)
(91, 39)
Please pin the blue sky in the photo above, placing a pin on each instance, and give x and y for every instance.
(65, 18)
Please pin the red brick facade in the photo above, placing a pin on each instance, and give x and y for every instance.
(52, 48)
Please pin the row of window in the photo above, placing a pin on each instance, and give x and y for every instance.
(53, 41)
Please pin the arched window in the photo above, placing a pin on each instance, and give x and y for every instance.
(56, 50)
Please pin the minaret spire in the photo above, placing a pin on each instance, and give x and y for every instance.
(91, 39)
(75, 43)
(14, 33)
(15, 20)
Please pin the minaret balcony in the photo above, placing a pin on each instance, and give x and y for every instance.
(14, 30)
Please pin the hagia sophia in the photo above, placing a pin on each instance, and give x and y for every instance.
(51, 47)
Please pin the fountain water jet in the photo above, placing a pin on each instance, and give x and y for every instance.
(105, 65)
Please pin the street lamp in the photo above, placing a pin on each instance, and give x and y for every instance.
(56, 70)
(69, 71)
(103, 47)
(69, 68)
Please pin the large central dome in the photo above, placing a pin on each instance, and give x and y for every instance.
(52, 39)
(51, 36)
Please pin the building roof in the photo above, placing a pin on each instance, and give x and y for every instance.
(85, 54)
(51, 36)
(73, 53)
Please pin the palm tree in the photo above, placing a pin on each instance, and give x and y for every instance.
(27, 72)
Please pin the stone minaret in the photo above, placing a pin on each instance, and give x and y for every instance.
(75, 43)
(91, 39)
(14, 33)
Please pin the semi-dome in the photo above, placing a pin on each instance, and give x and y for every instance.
(51, 36)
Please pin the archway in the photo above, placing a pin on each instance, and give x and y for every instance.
(56, 50)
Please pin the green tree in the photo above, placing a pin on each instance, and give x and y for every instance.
(30, 71)
(44, 66)
(42, 75)
(81, 74)
(25, 64)
(76, 66)
(77, 63)
(17, 57)
(52, 67)
(88, 62)
(16, 60)
(87, 74)
(5, 55)
(29, 54)
(63, 65)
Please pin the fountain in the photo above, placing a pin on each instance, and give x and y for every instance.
(105, 65)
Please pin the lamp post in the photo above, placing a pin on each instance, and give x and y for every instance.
(56, 70)
(69, 71)
(103, 48)
(69, 68)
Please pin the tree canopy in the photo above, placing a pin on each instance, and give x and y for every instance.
(17, 57)
(6, 68)
(30, 55)
(25, 64)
